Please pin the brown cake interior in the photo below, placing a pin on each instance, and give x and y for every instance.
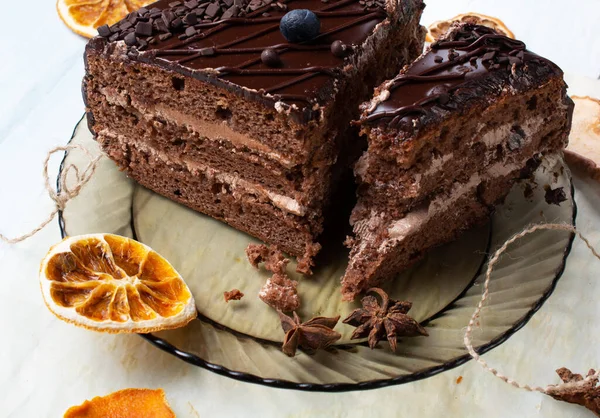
(447, 139)
(248, 160)
(509, 131)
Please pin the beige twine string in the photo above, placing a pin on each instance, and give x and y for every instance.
(66, 193)
(468, 338)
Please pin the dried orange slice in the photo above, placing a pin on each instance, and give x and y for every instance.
(437, 29)
(584, 140)
(127, 403)
(114, 284)
(85, 16)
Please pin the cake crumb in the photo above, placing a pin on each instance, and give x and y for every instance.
(234, 294)
(554, 196)
(459, 380)
(273, 258)
(279, 292)
(305, 262)
(528, 191)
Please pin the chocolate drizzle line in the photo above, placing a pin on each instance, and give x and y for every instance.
(213, 41)
(471, 52)
(304, 73)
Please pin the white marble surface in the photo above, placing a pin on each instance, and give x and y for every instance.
(47, 365)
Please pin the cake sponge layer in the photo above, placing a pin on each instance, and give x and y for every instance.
(241, 208)
(383, 247)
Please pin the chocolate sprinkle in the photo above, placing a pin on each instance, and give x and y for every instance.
(191, 31)
(130, 39)
(197, 25)
(143, 29)
(104, 30)
(410, 92)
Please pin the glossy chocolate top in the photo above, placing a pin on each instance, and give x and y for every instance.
(226, 45)
(458, 65)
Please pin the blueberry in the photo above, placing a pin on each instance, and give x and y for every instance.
(300, 25)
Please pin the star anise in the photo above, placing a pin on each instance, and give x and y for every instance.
(579, 392)
(389, 320)
(311, 335)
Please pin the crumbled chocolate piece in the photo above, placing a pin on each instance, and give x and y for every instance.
(270, 57)
(212, 10)
(143, 29)
(377, 321)
(168, 16)
(554, 196)
(161, 26)
(231, 12)
(130, 39)
(177, 23)
(579, 391)
(191, 31)
(314, 334)
(233, 294)
(437, 59)
(104, 31)
(190, 19)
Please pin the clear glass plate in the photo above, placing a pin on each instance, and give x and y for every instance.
(242, 339)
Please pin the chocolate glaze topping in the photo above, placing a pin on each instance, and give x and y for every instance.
(453, 64)
(228, 42)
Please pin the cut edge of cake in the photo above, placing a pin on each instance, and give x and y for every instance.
(447, 139)
(248, 156)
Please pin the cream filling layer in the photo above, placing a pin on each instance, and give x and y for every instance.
(491, 139)
(209, 130)
(413, 221)
(235, 183)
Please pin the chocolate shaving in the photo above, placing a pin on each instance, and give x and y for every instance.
(233, 294)
(578, 391)
(311, 335)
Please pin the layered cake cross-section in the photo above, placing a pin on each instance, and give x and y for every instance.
(447, 138)
(207, 103)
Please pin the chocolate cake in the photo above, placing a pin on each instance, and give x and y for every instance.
(207, 103)
(447, 138)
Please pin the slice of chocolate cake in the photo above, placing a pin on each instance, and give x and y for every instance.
(207, 103)
(447, 138)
